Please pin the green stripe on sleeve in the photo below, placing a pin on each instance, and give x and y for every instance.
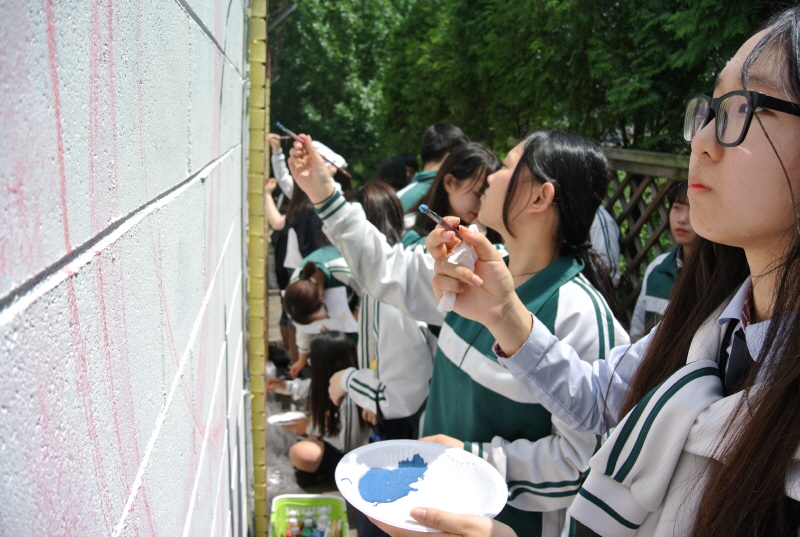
(365, 386)
(336, 195)
(597, 313)
(546, 485)
(562, 494)
(627, 429)
(353, 388)
(342, 203)
(607, 508)
(637, 447)
(609, 316)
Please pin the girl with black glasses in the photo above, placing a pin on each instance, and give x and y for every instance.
(706, 406)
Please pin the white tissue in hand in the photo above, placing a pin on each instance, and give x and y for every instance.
(463, 255)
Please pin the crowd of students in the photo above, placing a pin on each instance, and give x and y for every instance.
(690, 430)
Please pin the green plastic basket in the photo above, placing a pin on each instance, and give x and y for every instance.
(281, 505)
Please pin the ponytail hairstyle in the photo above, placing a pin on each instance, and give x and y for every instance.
(579, 171)
(302, 298)
(329, 352)
(469, 163)
(381, 207)
(745, 494)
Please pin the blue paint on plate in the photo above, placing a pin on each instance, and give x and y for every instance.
(380, 485)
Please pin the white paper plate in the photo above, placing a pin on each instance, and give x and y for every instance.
(453, 480)
(285, 418)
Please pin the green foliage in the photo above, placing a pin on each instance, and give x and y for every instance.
(617, 71)
(328, 59)
(368, 76)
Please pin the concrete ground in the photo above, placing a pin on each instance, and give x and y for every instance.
(274, 338)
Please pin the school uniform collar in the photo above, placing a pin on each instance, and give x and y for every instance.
(754, 332)
(673, 263)
(538, 289)
(424, 176)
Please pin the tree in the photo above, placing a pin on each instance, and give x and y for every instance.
(617, 71)
(368, 76)
(328, 58)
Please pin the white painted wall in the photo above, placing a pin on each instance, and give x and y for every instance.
(121, 268)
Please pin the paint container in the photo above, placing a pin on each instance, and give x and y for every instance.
(324, 512)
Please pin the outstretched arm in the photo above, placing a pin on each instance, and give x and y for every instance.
(279, 169)
(392, 274)
(277, 221)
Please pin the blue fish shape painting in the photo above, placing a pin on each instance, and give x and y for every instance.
(380, 485)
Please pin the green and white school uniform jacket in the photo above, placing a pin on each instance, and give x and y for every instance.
(337, 274)
(641, 485)
(396, 359)
(648, 478)
(659, 279)
(395, 351)
(474, 398)
(542, 461)
(398, 275)
(411, 194)
(395, 362)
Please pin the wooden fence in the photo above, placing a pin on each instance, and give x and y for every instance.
(638, 200)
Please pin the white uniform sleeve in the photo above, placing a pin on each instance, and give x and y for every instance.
(545, 475)
(298, 388)
(362, 387)
(281, 172)
(405, 350)
(303, 341)
(587, 397)
(395, 275)
(284, 176)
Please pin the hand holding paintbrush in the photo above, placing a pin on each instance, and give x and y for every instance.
(326, 159)
(309, 171)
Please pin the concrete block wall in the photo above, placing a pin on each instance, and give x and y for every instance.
(122, 349)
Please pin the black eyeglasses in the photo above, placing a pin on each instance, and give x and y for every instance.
(734, 112)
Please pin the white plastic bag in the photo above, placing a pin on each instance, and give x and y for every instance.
(463, 255)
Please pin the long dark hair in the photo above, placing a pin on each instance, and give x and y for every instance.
(381, 207)
(579, 171)
(745, 493)
(469, 163)
(329, 352)
(298, 202)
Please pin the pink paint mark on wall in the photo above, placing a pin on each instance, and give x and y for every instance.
(118, 374)
(84, 390)
(103, 179)
(27, 215)
(50, 414)
(148, 514)
(53, 62)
